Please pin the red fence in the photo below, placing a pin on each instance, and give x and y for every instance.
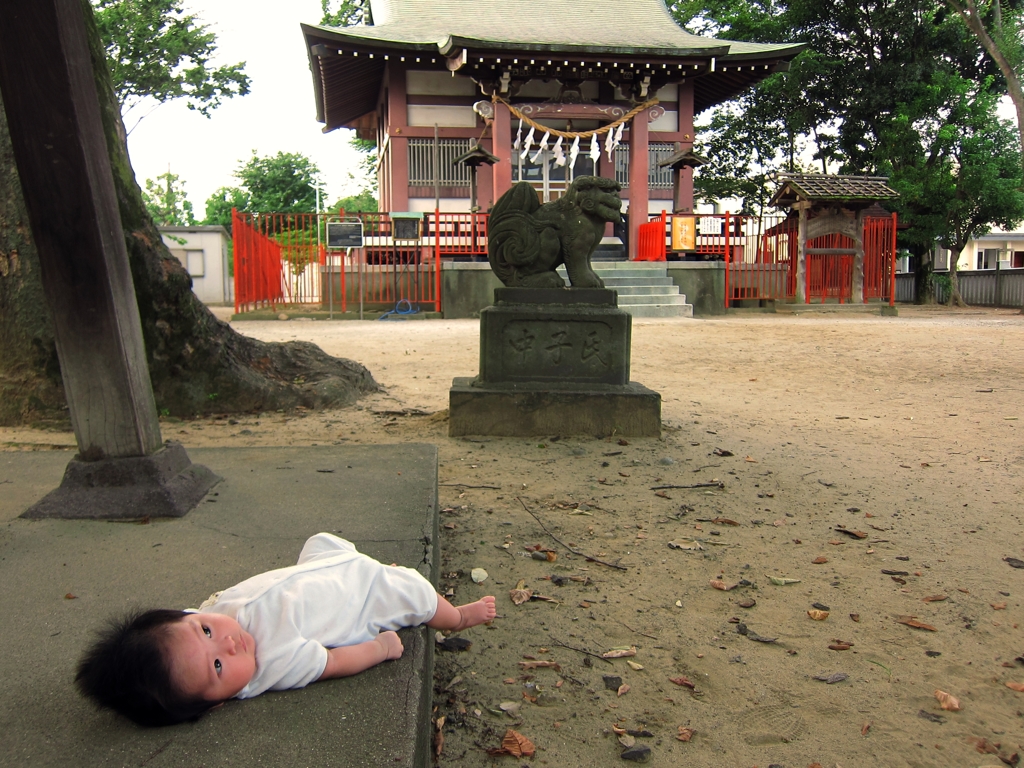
(761, 257)
(280, 260)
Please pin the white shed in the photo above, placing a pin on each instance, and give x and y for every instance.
(203, 251)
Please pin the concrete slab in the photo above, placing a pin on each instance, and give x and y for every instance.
(383, 498)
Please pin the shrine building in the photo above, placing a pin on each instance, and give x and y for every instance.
(550, 90)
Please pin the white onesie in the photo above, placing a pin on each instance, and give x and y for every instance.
(334, 596)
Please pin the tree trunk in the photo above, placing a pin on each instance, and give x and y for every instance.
(924, 287)
(955, 299)
(197, 364)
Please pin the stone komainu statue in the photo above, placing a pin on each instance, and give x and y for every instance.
(527, 241)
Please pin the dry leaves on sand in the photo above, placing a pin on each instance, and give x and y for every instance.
(817, 615)
(911, 621)
(685, 734)
(1019, 687)
(947, 701)
(520, 594)
(515, 744)
(719, 584)
(623, 690)
(934, 598)
(820, 560)
(540, 665)
(683, 681)
(619, 653)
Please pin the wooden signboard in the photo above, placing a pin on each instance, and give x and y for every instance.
(345, 234)
(684, 233)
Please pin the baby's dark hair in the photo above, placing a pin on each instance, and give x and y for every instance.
(127, 670)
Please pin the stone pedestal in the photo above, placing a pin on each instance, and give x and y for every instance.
(163, 484)
(554, 362)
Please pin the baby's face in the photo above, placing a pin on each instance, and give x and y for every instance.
(211, 656)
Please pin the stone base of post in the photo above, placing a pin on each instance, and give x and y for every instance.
(163, 484)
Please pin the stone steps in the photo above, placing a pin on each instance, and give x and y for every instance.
(644, 288)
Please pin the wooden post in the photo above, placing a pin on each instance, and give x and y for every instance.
(857, 278)
(638, 179)
(60, 150)
(801, 252)
(122, 468)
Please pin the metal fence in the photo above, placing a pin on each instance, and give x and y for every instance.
(281, 260)
(980, 288)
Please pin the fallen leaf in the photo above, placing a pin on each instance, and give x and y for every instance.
(1019, 687)
(750, 459)
(478, 575)
(947, 701)
(934, 598)
(634, 666)
(724, 521)
(685, 734)
(619, 653)
(998, 606)
(540, 665)
(687, 683)
(517, 745)
(511, 707)
(835, 677)
(551, 556)
(821, 560)
(520, 594)
(69, 596)
(781, 581)
(509, 681)
(719, 584)
(910, 621)
(623, 690)
(849, 532)
(818, 615)
(838, 646)
(855, 616)
(662, 494)
(865, 728)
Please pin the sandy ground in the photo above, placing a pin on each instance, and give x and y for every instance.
(903, 432)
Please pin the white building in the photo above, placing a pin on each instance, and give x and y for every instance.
(203, 251)
(1006, 248)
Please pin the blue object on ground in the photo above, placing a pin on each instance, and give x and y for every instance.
(403, 307)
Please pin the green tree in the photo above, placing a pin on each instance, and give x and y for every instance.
(220, 203)
(166, 201)
(345, 13)
(156, 51)
(282, 183)
(1000, 33)
(363, 202)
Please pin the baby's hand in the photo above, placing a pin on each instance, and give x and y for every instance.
(392, 644)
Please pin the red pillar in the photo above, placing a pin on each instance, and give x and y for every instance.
(501, 171)
(638, 180)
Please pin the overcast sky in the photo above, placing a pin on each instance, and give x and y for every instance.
(279, 114)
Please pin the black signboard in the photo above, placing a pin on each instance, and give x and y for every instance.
(405, 228)
(344, 234)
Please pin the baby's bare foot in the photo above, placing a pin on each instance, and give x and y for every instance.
(481, 611)
(392, 644)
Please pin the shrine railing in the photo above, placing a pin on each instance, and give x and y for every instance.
(281, 259)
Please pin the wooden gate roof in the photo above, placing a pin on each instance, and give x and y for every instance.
(820, 187)
(348, 62)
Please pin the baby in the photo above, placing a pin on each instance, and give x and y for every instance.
(332, 614)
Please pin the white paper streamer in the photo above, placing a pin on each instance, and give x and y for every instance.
(559, 154)
(595, 149)
(609, 143)
(574, 150)
(618, 133)
(519, 136)
(541, 147)
(528, 144)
